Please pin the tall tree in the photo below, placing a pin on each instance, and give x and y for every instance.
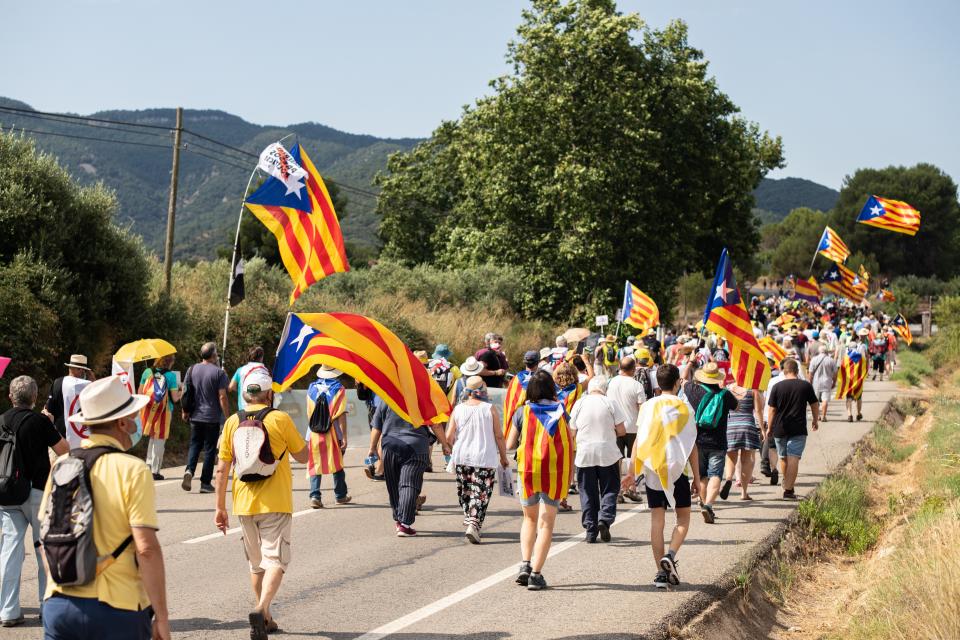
(935, 250)
(608, 153)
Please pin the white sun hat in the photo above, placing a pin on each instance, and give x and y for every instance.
(107, 399)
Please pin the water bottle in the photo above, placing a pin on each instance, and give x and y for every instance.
(446, 459)
(372, 459)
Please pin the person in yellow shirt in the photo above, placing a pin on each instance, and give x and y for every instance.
(264, 507)
(127, 599)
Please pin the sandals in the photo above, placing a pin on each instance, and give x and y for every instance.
(564, 506)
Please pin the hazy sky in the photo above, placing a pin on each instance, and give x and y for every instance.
(846, 83)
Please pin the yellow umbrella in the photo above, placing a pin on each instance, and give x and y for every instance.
(144, 349)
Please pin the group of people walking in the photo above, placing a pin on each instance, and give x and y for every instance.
(654, 420)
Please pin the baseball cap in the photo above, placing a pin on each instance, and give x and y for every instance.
(257, 380)
(531, 357)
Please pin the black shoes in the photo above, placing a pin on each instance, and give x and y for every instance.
(660, 580)
(669, 566)
(774, 478)
(524, 576)
(536, 582)
(725, 489)
(604, 529)
(157, 476)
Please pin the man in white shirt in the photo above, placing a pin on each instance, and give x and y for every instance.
(628, 394)
(597, 422)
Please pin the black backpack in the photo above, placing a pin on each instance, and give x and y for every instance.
(320, 421)
(15, 483)
(643, 377)
(188, 401)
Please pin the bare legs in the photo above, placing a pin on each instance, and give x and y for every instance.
(658, 519)
(536, 534)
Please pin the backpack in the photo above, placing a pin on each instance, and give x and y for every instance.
(610, 355)
(711, 408)
(320, 421)
(66, 525)
(15, 483)
(253, 459)
(442, 372)
(643, 377)
(188, 401)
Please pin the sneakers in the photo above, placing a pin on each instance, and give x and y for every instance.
(536, 582)
(604, 530)
(187, 483)
(316, 503)
(669, 565)
(524, 576)
(725, 489)
(620, 498)
(660, 580)
(206, 487)
(344, 500)
(573, 490)
(404, 531)
(258, 625)
(774, 478)
(473, 534)
(591, 538)
(859, 417)
(707, 512)
(633, 495)
(789, 494)
(157, 476)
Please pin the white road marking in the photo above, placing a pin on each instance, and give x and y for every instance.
(218, 534)
(443, 603)
(166, 482)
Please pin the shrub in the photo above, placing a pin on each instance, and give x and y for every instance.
(839, 509)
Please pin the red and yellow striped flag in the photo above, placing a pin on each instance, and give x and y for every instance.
(850, 375)
(302, 218)
(639, 309)
(514, 398)
(769, 345)
(832, 247)
(325, 456)
(892, 215)
(366, 350)
(545, 454)
(902, 327)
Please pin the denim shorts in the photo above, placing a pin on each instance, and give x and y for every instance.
(791, 446)
(711, 462)
(537, 498)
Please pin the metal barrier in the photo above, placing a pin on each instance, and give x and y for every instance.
(294, 403)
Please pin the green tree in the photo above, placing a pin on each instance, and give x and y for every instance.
(608, 153)
(71, 279)
(792, 242)
(934, 251)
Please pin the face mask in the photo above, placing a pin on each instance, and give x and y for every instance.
(481, 395)
(495, 346)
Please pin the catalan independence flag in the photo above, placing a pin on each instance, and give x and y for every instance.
(514, 398)
(769, 345)
(902, 327)
(850, 375)
(545, 454)
(864, 274)
(893, 215)
(843, 282)
(325, 456)
(726, 316)
(639, 309)
(301, 216)
(885, 295)
(369, 352)
(832, 247)
(807, 289)
(569, 396)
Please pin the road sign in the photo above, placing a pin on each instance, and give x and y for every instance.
(602, 321)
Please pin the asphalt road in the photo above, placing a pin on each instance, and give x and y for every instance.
(352, 577)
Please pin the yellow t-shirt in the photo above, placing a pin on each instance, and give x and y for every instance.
(275, 494)
(123, 497)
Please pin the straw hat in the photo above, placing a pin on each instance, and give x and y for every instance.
(863, 332)
(471, 367)
(106, 400)
(77, 361)
(709, 374)
(545, 353)
(326, 372)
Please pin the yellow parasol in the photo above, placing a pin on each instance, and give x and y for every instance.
(576, 334)
(144, 349)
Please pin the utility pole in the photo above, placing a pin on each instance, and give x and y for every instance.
(172, 205)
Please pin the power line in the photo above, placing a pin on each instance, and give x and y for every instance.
(185, 147)
(70, 135)
(59, 119)
(89, 118)
(222, 144)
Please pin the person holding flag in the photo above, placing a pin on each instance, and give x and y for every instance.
(664, 449)
(541, 435)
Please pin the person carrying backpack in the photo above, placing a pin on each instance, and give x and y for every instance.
(159, 384)
(712, 404)
(99, 529)
(255, 443)
(327, 434)
(24, 467)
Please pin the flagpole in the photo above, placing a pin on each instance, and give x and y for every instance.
(233, 265)
(815, 254)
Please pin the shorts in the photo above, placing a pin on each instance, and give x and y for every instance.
(537, 498)
(825, 396)
(657, 499)
(711, 462)
(266, 540)
(791, 447)
(625, 444)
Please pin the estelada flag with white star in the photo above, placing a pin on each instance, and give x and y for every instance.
(832, 247)
(639, 309)
(892, 215)
(666, 436)
(367, 351)
(727, 316)
(545, 454)
(902, 327)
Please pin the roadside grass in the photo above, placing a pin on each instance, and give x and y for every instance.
(886, 443)
(840, 510)
(913, 367)
(941, 473)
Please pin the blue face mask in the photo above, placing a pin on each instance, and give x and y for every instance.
(480, 394)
